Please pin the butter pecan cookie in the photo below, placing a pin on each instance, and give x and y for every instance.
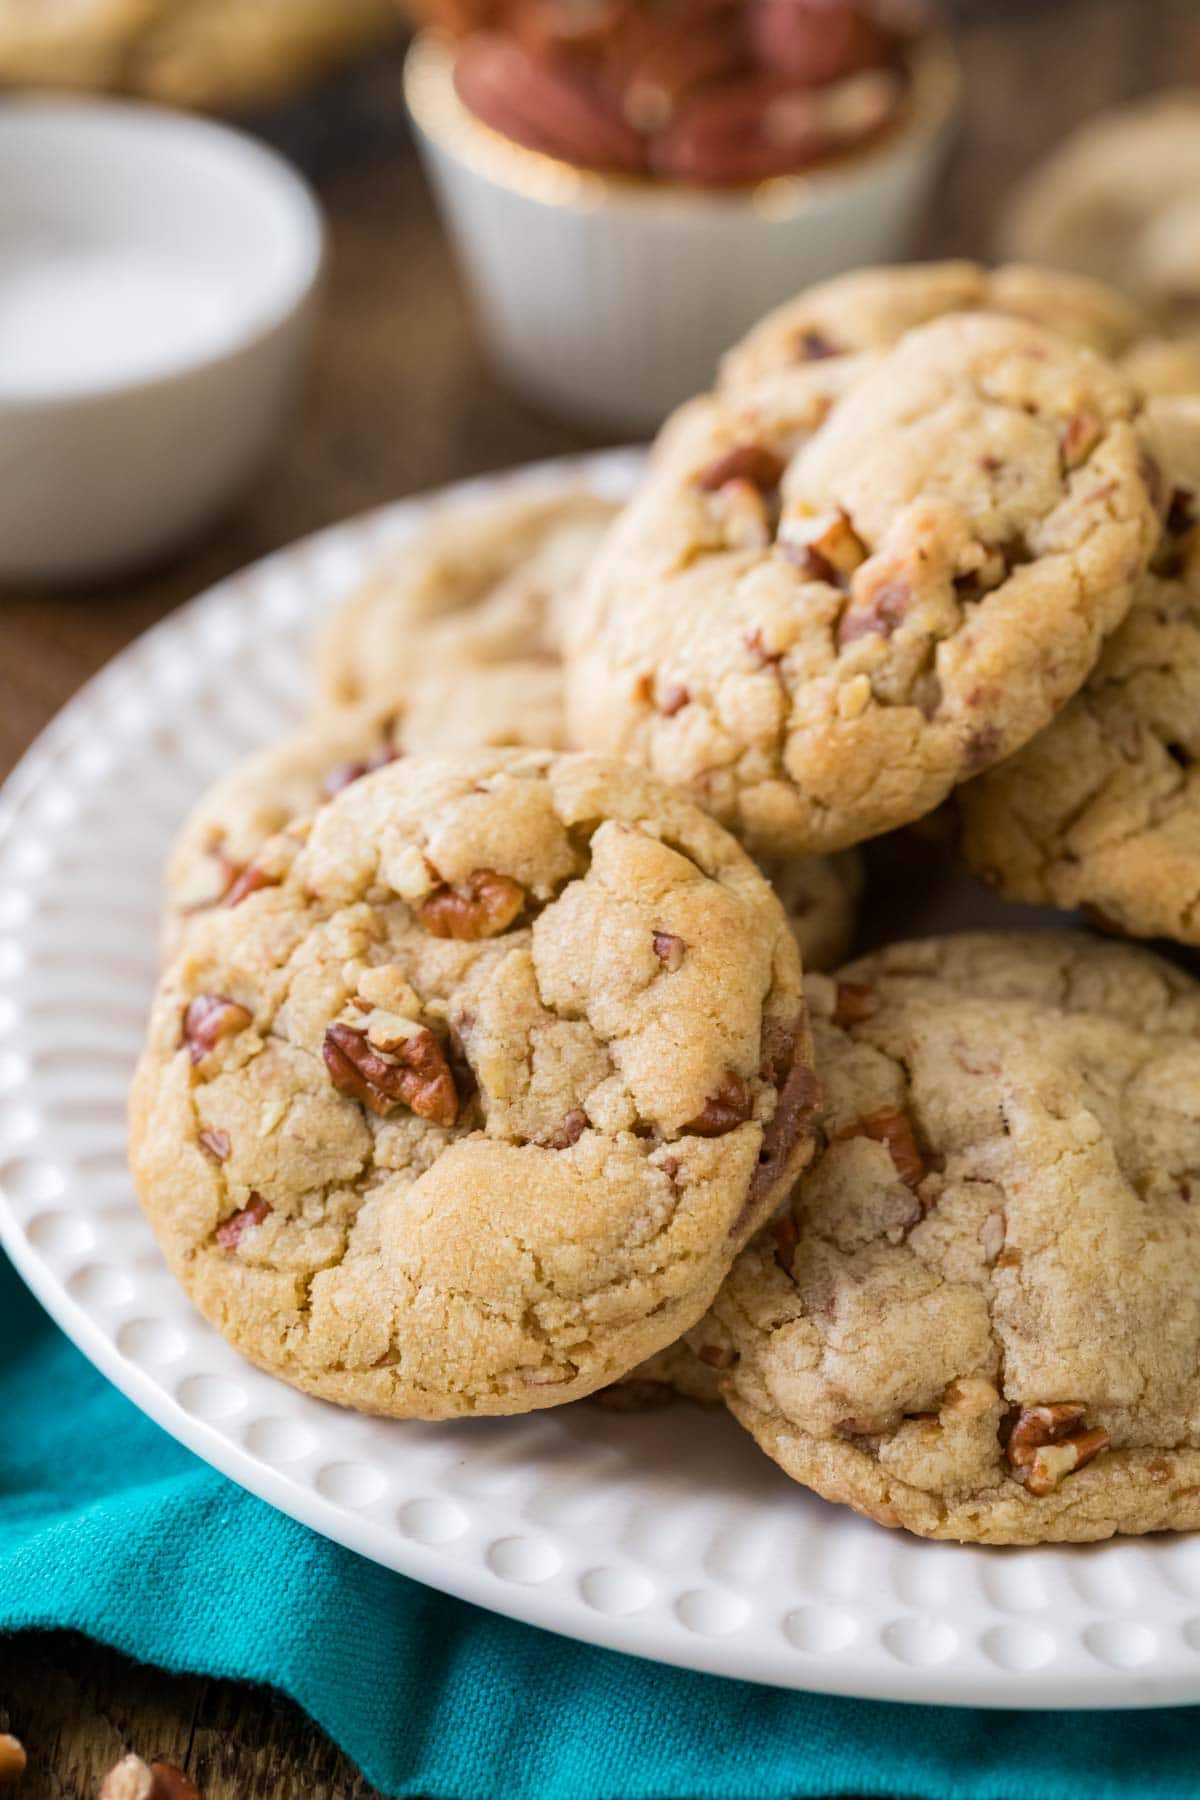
(469, 1108)
(871, 309)
(1117, 201)
(1102, 809)
(492, 704)
(820, 628)
(482, 585)
(215, 859)
(980, 1317)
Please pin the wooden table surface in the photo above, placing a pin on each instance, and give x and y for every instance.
(401, 400)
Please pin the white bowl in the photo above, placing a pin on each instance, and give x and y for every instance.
(157, 276)
(612, 299)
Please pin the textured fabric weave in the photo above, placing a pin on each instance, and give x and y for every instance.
(108, 1527)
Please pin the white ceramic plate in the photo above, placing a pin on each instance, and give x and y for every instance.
(668, 1535)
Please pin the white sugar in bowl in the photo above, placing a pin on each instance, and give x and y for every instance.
(157, 283)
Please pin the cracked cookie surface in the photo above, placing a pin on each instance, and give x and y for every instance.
(1102, 809)
(871, 309)
(980, 1317)
(469, 1106)
(481, 585)
(819, 621)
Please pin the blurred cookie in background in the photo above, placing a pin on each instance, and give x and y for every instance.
(201, 53)
(1119, 199)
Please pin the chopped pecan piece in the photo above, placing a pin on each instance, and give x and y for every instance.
(756, 645)
(888, 1125)
(482, 906)
(787, 1239)
(779, 1041)
(417, 1075)
(882, 613)
(795, 1114)
(675, 698)
(216, 1143)
(829, 549)
(1081, 434)
(232, 1230)
(347, 773)
(813, 346)
(756, 463)
(1046, 1444)
(208, 1019)
(669, 950)
(249, 882)
(982, 748)
(725, 1109)
(853, 1002)
(570, 1131)
(742, 513)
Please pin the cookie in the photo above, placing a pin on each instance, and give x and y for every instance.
(1102, 809)
(1115, 201)
(1163, 366)
(820, 626)
(871, 309)
(494, 704)
(206, 53)
(513, 703)
(980, 1317)
(482, 585)
(468, 1107)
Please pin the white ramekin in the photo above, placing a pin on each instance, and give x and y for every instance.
(611, 299)
(99, 473)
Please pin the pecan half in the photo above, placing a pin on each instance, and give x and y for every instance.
(725, 1109)
(889, 1126)
(416, 1075)
(232, 1230)
(853, 1002)
(669, 950)
(482, 906)
(208, 1019)
(1045, 1444)
(755, 463)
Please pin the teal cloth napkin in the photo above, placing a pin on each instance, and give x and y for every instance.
(108, 1527)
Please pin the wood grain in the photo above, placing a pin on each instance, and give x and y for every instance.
(401, 400)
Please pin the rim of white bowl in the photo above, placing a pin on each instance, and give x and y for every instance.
(441, 118)
(283, 185)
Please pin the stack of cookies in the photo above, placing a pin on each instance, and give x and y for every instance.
(506, 1054)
